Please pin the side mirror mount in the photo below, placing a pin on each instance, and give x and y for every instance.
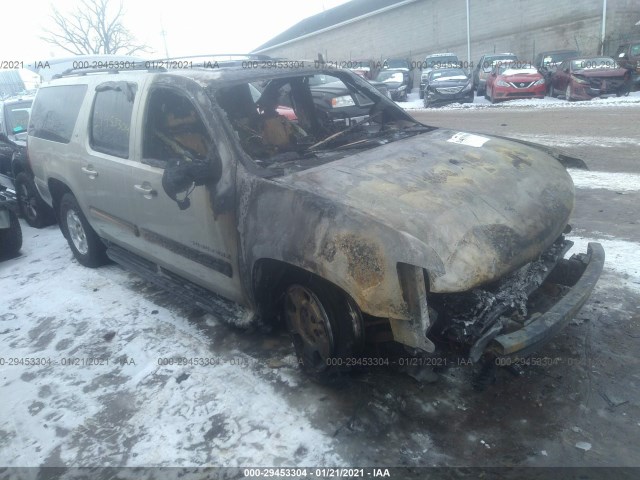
(183, 176)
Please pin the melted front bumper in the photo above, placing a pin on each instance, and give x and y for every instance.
(544, 327)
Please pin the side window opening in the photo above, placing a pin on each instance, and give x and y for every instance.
(55, 112)
(111, 118)
(173, 130)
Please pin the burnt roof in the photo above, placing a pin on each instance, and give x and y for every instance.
(341, 13)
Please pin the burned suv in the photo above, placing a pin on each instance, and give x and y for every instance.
(368, 228)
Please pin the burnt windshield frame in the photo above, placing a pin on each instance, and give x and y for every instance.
(352, 82)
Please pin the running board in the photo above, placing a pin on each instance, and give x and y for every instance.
(220, 307)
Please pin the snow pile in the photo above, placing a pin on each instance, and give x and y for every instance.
(615, 181)
(621, 259)
(414, 103)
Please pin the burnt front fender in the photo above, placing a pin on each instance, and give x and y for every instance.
(337, 243)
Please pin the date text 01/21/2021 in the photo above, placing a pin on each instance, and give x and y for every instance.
(323, 472)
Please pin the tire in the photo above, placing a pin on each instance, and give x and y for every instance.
(32, 208)
(11, 238)
(325, 326)
(84, 242)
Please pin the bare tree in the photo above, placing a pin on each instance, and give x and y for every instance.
(92, 29)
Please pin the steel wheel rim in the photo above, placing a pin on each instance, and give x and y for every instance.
(76, 232)
(309, 324)
(28, 202)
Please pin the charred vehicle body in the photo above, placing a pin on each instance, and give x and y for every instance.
(351, 227)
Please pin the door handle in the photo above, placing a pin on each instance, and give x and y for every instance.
(90, 172)
(146, 190)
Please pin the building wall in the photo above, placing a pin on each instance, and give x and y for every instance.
(430, 26)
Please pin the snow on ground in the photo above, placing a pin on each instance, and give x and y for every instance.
(572, 141)
(622, 262)
(415, 103)
(117, 404)
(614, 181)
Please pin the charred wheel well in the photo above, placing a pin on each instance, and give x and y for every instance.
(270, 279)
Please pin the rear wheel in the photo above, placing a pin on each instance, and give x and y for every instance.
(83, 240)
(325, 326)
(34, 210)
(11, 238)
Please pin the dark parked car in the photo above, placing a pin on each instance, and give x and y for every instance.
(400, 64)
(436, 61)
(547, 62)
(14, 118)
(397, 82)
(483, 68)
(337, 102)
(628, 56)
(588, 77)
(512, 80)
(551, 59)
(10, 231)
(447, 85)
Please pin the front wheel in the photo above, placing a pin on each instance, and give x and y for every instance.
(325, 326)
(34, 210)
(83, 240)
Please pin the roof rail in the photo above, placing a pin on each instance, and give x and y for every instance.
(212, 60)
(220, 57)
(111, 67)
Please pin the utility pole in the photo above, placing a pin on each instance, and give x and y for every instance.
(604, 26)
(469, 37)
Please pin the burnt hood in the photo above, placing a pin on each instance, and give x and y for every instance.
(484, 205)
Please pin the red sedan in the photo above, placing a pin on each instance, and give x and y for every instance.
(588, 77)
(510, 80)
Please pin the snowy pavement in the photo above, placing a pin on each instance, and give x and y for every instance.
(99, 392)
(415, 103)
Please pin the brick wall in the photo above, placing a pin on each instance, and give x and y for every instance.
(430, 26)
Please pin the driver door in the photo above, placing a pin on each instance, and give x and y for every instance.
(191, 242)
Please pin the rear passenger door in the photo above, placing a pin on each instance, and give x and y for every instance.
(104, 174)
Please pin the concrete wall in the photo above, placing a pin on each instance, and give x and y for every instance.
(430, 26)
